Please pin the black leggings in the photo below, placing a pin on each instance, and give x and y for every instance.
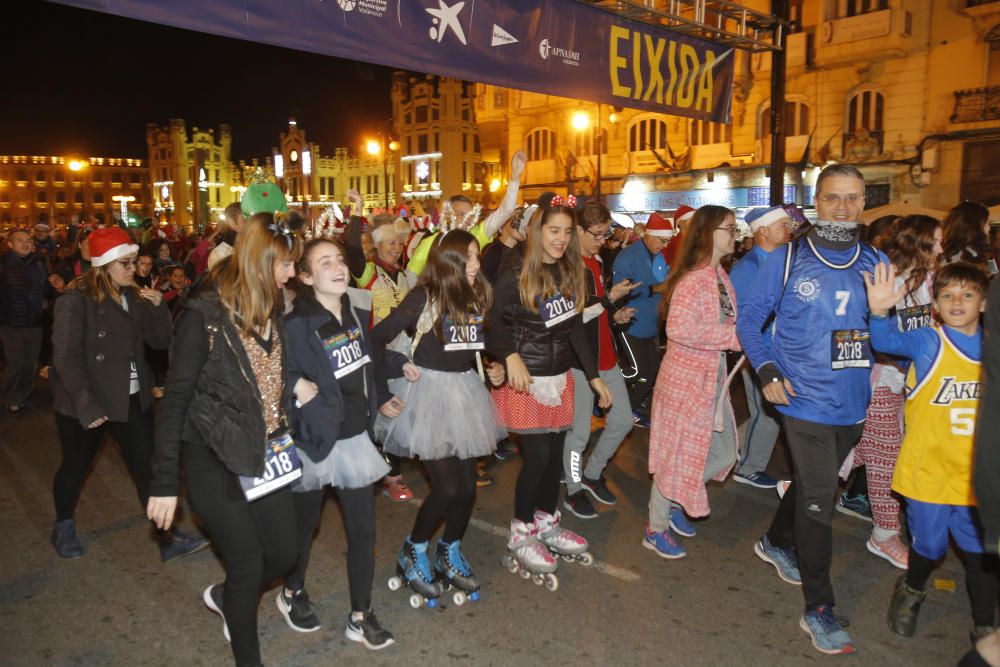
(358, 509)
(981, 581)
(80, 446)
(538, 483)
(453, 494)
(257, 540)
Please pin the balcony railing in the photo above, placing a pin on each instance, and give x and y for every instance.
(976, 104)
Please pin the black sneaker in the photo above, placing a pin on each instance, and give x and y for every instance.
(579, 504)
(297, 610)
(212, 597)
(600, 490)
(368, 631)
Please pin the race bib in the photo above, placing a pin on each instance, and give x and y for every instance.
(467, 336)
(850, 348)
(281, 468)
(556, 309)
(345, 350)
(915, 317)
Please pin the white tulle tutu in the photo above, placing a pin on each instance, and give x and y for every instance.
(444, 414)
(353, 463)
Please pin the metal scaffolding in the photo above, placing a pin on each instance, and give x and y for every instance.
(719, 21)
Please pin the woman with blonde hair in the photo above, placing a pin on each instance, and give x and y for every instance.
(224, 418)
(101, 382)
(696, 443)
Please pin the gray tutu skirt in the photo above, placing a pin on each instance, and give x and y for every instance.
(444, 414)
(353, 463)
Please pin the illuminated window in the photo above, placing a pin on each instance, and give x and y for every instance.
(864, 110)
(647, 133)
(39, 176)
(856, 7)
(705, 132)
(541, 144)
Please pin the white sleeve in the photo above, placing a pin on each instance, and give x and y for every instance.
(503, 211)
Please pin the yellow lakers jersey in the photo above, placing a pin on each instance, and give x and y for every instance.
(935, 462)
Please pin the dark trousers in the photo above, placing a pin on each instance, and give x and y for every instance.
(257, 540)
(538, 483)
(80, 446)
(647, 360)
(452, 497)
(21, 347)
(803, 519)
(358, 509)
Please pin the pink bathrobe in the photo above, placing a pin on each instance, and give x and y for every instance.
(684, 397)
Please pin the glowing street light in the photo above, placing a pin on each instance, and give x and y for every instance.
(581, 120)
(494, 185)
(374, 147)
(77, 165)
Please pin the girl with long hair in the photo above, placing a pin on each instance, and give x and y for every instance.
(224, 419)
(691, 445)
(101, 381)
(966, 236)
(536, 328)
(328, 341)
(440, 412)
(913, 246)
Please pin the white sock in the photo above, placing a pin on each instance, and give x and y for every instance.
(882, 534)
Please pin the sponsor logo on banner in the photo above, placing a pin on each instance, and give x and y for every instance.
(371, 7)
(569, 57)
(446, 17)
(501, 37)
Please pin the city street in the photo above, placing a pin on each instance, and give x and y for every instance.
(118, 605)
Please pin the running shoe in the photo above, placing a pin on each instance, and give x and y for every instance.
(827, 635)
(599, 490)
(783, 560)
(758, 480)
(368, 631)
(856, 506)
(664, 544)
(396, 489)
(579, 504)
(297, 610)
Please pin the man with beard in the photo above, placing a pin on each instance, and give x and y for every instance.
(816, 373)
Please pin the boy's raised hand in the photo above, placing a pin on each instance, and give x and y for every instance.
(881, 293)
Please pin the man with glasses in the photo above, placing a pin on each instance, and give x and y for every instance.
(643, 263)
(816, 372)
(770, 229)
(23, 277)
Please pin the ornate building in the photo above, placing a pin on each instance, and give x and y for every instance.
(37, 188)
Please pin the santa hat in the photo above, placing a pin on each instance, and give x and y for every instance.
(682, 214)
(659, 226)
(763, 216)
(108, 244)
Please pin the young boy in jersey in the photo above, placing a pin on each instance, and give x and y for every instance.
(934, 469)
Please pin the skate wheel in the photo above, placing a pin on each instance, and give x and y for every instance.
(552, 582)
(586, 558)
(416, 601)
(525, 574)
(459, 598)
(537, 579)
(395, 583)
(431, 603)
(512, 567)
(474, 596)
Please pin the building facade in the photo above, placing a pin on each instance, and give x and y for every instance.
(53, 189)
(868, 82)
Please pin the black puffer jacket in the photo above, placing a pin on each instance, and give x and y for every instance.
(544, 350)
(212, 396)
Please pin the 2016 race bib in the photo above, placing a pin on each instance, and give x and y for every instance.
(915, 317)
(345, 350)
(281, 468)
(850, 348)
(556, 309)
(468, 336)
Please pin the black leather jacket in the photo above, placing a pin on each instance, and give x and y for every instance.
(212, 396)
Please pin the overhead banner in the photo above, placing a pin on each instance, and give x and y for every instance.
(556, 47)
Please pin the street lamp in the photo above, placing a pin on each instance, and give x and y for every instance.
(376, 146)
(581, 120)
(77, 165)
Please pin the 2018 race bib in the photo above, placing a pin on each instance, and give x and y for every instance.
(850, 348)
(468, 336)
(281, 467)
(556, 309)
(345, 350)
(915, 317)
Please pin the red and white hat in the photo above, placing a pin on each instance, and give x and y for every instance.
(683, 213)
(108, 244)
(659, 226)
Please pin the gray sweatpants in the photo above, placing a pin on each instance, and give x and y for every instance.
(619, 424)
(761, 430)
(721, 455)
(21, 346)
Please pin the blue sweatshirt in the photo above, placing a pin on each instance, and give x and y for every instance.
(636, 264)
(921, 345)
(820, 339)
(743, 274)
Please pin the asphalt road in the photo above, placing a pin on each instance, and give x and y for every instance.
(118, 605)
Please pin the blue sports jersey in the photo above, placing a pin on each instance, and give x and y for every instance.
(820, 340)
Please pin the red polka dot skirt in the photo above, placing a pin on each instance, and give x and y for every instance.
(521, 413)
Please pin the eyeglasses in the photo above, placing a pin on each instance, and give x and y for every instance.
(732, 229)
(601, 237)
(850, 199)
(127, 263)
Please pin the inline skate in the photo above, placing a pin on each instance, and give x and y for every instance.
(528, 557)
(561, 542)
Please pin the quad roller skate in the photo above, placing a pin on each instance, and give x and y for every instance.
(528, 557)
(561, 542)
(413, 569)
(453, 572)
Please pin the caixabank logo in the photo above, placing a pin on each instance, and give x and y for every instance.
(445, 19)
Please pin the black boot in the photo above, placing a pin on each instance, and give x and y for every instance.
(64, 539)
(904, 608)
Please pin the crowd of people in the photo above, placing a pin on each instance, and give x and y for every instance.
(305, 355)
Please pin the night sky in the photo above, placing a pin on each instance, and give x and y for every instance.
(86, 83)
